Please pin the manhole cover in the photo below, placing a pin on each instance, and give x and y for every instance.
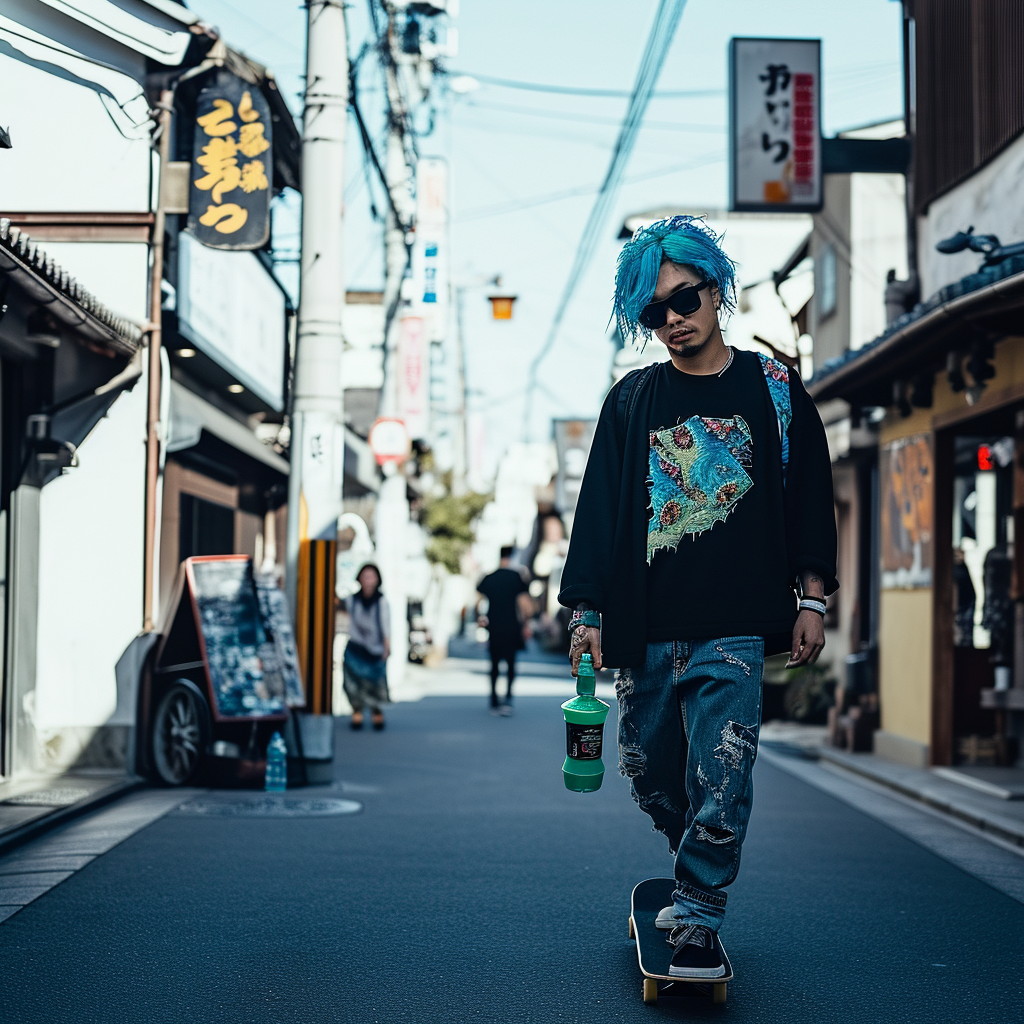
(49, 798)
(267, 806)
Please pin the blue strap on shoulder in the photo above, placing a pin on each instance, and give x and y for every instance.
(777, 376)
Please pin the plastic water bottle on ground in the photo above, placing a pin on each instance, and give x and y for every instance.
(276, 778)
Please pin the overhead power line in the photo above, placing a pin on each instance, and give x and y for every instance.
(663, 31)
(569, 115)
(496, 209)
(573, 90)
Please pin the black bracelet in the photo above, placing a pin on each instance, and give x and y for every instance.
(588, 618)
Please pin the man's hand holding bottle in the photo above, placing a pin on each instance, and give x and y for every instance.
(585, 631)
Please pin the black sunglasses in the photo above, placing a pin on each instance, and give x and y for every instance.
(686, 300)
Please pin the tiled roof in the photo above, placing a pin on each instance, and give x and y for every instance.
(971, 283)
(18, 252)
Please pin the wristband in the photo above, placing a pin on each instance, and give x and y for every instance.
(589, 618)
(813, 605)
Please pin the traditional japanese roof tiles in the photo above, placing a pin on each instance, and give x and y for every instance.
(27, 263)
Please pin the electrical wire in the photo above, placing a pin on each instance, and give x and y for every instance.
(497, 209)
(572, 90)
(568, 115)
(663, 31)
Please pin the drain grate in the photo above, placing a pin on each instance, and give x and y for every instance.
(49, 798)
(267, 806)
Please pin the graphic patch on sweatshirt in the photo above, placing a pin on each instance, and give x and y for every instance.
(697, 475)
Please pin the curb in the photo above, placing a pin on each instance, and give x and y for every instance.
(21, 834)
(1008, 829)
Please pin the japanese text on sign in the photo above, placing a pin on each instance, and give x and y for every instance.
(775, 124)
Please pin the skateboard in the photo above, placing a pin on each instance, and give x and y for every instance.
(654, 953)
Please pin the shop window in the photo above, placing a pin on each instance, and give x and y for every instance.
(206, 528)
(983, 546)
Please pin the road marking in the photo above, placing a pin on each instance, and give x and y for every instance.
(35, 868)
(986, 857)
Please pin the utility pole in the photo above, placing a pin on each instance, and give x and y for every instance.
(317, 421)
(392, 515)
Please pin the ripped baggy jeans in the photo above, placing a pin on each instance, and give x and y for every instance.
(688, 728)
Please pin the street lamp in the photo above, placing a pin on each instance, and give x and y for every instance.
(501, 306)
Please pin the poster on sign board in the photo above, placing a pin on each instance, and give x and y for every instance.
(775, 125)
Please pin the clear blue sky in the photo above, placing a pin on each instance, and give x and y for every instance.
(502, 160)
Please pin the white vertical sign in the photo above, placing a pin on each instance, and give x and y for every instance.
(775, 124)
(414, 376)
(430, 257)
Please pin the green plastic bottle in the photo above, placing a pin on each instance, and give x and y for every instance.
(583, 770)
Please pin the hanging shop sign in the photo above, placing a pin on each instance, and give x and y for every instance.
(430, 254)
(232, 169)
(414, 376)
(775, 125)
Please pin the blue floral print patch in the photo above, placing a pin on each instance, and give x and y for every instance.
(697, 475)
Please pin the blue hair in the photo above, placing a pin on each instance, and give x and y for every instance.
(685, 240)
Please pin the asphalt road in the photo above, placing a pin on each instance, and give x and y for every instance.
(473, 887)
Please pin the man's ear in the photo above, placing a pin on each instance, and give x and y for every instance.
(716, 297)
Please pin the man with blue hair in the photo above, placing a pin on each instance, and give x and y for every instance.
(704, 539)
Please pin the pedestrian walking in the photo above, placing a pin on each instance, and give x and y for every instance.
(508, 605)
(364, 667)
(704, 539)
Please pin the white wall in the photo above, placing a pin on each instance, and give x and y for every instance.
(992, 200)
(91, 524)
(67, 154)
(90, 570)
(878, 242)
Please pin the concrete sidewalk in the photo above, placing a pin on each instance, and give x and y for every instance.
(986, 801)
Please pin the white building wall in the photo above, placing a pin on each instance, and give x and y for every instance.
(878, 243)
(992, 200)
(91, 524)
(67, 153)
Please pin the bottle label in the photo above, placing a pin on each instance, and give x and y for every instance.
(583, 742)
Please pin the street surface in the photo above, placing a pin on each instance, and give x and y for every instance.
(472, 886)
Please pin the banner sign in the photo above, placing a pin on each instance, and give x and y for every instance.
(414, 376)
(430, 255)
(232, 169)
(775, 125)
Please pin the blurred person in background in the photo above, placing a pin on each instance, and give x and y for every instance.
(508, 607)
(368, 648)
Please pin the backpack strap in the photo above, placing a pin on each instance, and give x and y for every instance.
(632, 384)
(776, 374)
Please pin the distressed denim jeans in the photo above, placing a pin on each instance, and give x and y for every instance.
(698, 790)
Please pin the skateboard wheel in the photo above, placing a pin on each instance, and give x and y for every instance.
(632, 934)
(651, 991)
(718, 993)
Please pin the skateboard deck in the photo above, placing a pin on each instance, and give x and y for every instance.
(655, 954)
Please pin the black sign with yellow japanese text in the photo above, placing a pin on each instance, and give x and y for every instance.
(230, 191)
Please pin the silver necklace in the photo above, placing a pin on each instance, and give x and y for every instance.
(728, 361)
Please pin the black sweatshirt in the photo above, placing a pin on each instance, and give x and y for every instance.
(685, 529)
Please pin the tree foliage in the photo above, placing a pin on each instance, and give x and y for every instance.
(448, 520)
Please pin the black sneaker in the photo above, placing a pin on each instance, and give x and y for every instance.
(697, 952)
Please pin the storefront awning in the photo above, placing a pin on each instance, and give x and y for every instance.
(990, 302)
(191, 415)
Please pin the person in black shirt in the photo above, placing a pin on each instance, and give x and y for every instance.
(508, 600)
(707, 501)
